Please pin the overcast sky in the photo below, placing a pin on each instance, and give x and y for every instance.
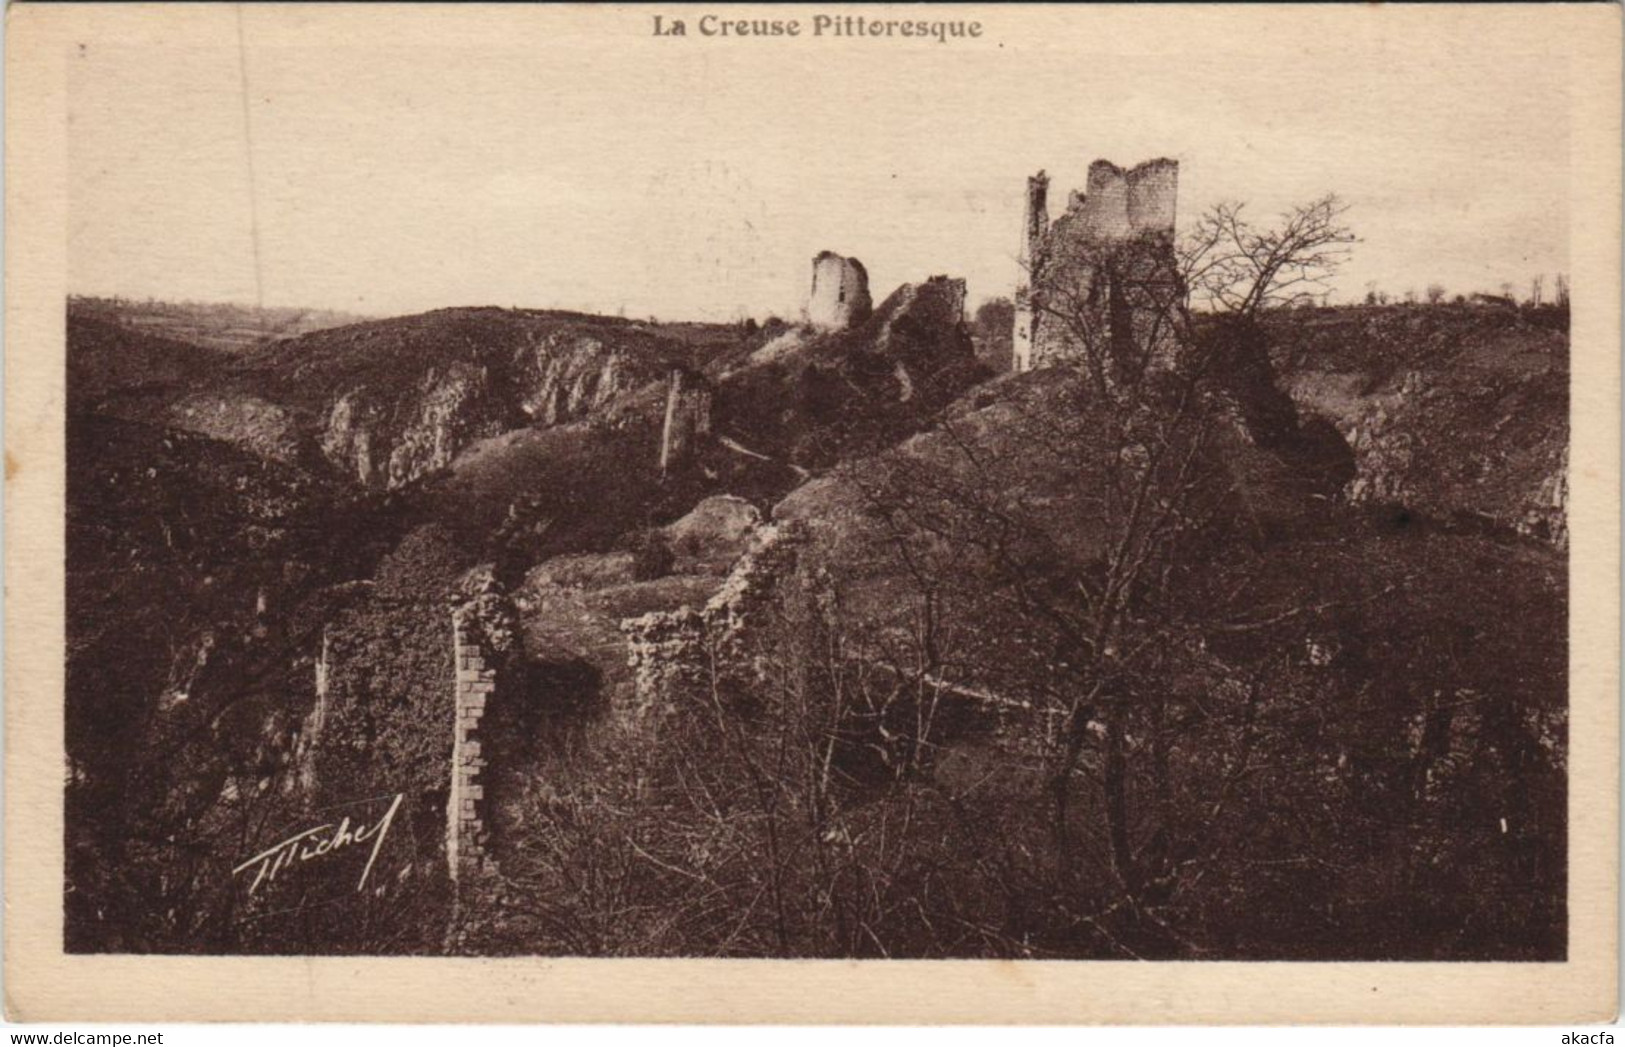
(557, 157)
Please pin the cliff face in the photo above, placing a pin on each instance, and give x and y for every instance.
(1459, 412)
(385, 402)
(566, 375)
(388, 445)
(397, 400)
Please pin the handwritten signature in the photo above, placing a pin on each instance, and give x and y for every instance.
(303, 846)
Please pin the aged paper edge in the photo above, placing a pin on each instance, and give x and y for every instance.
(42, 983)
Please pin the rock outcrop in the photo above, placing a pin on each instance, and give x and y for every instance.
(446, 411)
(713, 535)
(936, 306)
(248, 422)
(1547, 514)
(1456, 412)
(392, 440)
(820, 397)
(564, 376)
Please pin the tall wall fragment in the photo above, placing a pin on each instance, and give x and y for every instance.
(688, 417)
(840, 293)
(1035, 227)
(465, 806)
(1103, 272)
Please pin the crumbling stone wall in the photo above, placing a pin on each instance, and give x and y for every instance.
(483, 635)
(472, 869)
(1153, 195)
(1119, 205)
(840, 293)
(688, 417)
(1100, 281)
(676, 653)
(465, 808)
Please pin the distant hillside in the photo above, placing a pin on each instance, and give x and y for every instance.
(225, 326)
(109, 361)
(388, 358)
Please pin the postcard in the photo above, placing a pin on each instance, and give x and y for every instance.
(795, 513)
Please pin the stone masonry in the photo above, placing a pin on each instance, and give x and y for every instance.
(465, 809)
(840, 293)
(1105, 265)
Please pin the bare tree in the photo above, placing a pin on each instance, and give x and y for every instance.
(1092, 605)
(1435, 294)
(1537, 289)
(1231, 265)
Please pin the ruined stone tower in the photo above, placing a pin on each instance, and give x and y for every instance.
(688, 417)
(840, 293)
(1101, 280)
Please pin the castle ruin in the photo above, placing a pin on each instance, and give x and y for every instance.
(465, 807)
(840, 293)
(687, 419)
(1098, 282)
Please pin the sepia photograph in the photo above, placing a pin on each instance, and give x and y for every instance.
(876, 483)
